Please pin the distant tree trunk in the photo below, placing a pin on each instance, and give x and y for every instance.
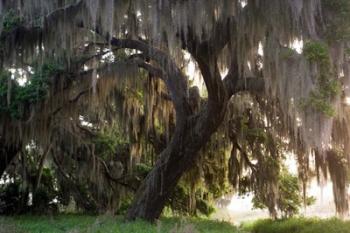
(41, 167)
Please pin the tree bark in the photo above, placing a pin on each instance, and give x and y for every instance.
(174, 161)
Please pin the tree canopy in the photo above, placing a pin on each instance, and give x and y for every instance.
(98, 95)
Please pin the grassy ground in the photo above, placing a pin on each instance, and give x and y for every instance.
(298, 225)
(91, 224)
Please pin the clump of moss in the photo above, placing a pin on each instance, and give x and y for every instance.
(328, 86)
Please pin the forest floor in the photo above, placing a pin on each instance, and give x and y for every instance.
(107, 224)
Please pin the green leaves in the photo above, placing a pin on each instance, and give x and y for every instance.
(109, 142)
(11, 20)
(319, 103)
(328, 86)
(316, 52)
(35, 90)
(290, 198)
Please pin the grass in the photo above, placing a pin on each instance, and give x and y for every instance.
(108, 224)
(298, 225)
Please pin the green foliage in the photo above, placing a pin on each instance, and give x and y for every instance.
(317, 102)
(35, 90)
(14, 194)
(109, 142)
(124, 205)
(205, 207)
(11, 20)
(252, 133)
(299, 225)
(328, 86)
(136, 94)
(316, 52)
(142, 169)
(290, 198)
(11, 198)
(179, 203)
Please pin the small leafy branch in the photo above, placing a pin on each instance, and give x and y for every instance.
(328, 87)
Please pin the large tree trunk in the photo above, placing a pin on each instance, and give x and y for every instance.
(174, 161)
(183, 151)
(192, 132)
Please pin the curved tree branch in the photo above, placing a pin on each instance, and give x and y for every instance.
(175, 79)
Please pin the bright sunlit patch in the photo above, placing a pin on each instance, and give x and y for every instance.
(291, 163)
(239, 203)
(298, 45)
(261, 49)
(299, 122)
(244, 3)
(84, 122)
(347, 100)
(192, 72)
(20, 75)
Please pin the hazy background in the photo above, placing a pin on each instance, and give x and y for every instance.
(238, 209)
